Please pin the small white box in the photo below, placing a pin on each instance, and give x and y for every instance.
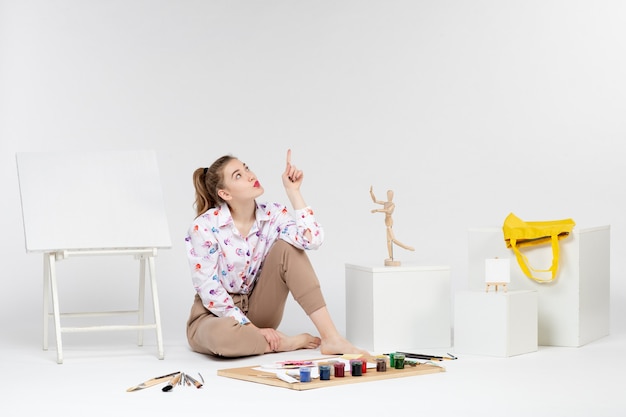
(495, 324)
(574, 309)
(392, 308)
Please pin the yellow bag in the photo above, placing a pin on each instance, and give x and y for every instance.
(519, 234)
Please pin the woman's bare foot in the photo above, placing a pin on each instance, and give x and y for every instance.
(339, 346)
(300, 341)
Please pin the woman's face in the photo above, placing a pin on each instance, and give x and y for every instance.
(240, 183)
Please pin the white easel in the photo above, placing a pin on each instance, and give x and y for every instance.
(118, 194)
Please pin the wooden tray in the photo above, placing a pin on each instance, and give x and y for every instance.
(253, 374)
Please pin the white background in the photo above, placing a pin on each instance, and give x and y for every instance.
(468, 110)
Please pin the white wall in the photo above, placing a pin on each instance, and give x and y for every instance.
(468, 110)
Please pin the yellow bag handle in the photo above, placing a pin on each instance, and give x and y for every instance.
(522, 260)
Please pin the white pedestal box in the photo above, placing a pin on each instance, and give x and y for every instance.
(573, 310)
(495, 324)
(392, 308)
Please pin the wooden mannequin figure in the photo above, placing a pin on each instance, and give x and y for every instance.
(388, 208)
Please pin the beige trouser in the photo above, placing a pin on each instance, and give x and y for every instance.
(285, 269)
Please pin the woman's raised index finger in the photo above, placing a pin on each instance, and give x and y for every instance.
(288, 156)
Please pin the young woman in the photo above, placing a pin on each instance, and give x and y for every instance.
(245, 259)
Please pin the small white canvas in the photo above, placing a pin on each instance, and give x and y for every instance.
(497, 270)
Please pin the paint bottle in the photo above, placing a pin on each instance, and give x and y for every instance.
(305, 374)
(356, 367)
(324, 372)
(399, 361)
(381, 365)
(340, 369)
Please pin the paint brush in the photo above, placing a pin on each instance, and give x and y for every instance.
(173, 381)
(193, 381)
(427, 357)
(153, 381)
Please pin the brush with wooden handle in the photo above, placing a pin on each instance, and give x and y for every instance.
(193, 381)
(153, 381)
(170, 385)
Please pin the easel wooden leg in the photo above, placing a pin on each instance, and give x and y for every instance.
(55, 305)
(142, 292)
(155, 303)
(496, 285)
(46, 299)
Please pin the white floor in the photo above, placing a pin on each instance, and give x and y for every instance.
(554, 381)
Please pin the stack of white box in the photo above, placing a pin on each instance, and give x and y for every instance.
(574, 309)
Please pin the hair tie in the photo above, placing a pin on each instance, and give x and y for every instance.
(205, 170)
